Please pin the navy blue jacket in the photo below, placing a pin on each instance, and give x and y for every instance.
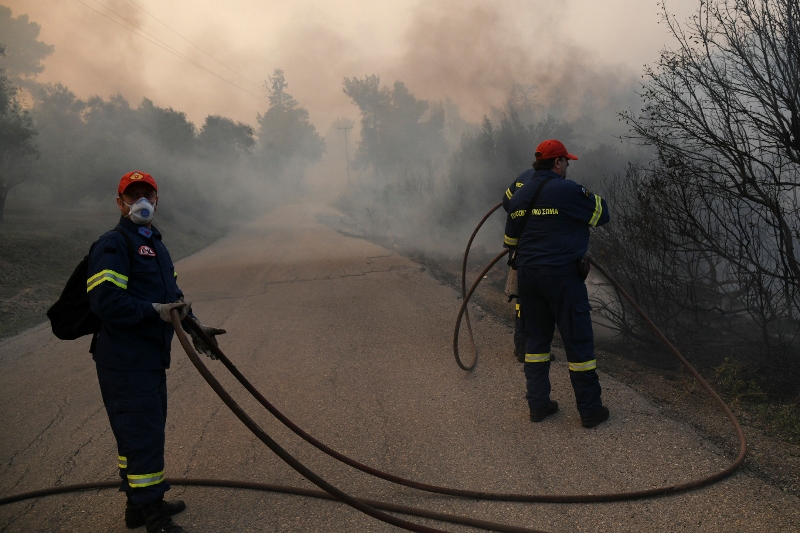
(122, 286)
(557, 233)
(521, 180)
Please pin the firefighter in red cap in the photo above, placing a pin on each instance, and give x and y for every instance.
(132, 287)
(548, 223)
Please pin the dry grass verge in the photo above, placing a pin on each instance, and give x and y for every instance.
(41, 245)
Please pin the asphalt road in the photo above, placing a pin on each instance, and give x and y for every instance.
(352, 342)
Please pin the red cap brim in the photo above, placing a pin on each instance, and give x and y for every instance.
(135, 177)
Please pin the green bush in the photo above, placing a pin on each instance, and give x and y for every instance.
(730, 381)
(775, 418)
(787, 422)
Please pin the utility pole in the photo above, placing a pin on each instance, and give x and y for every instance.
(346, 150)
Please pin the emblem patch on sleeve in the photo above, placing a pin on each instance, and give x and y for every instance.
(146, 251)
(586, 192)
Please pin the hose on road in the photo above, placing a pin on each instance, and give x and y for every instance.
(700, 482)
(374, 508)
(379, 509)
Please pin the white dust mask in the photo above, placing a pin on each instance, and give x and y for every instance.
(141, 211)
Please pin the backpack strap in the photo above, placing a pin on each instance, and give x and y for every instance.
(512, 261)
(128, 241)
(532, 204)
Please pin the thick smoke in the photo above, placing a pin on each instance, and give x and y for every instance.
(460, 60)
(472, 52)
(514, 67)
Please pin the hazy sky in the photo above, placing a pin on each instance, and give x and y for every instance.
(469, 51)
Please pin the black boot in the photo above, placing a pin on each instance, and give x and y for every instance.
(599, 416)
(541, 414)
(158, 519)
(134, 517)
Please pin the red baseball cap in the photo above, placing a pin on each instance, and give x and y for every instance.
(551, 149)
(134, 177)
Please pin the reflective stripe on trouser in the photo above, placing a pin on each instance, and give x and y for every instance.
(136, 404)
(557, 297)
(138, 481)
(537, 357)
(583, 367)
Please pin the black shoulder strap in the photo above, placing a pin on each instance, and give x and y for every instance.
(128, 241)
(531, 205)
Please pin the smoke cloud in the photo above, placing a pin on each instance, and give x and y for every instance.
(471, 52)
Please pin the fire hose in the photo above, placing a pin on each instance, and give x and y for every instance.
(700, 482)
(378, 509)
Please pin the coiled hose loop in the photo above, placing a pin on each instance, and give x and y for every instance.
(377, 508)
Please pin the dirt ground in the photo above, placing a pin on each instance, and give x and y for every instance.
(771, 459)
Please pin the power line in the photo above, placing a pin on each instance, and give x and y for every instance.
(171, 49)
(260, 86)
(156, 41)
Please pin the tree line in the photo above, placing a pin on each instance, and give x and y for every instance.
(69, 147)
(703, 188)
(705, 230)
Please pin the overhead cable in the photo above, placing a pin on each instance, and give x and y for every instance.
(259, 86)
(154, 40)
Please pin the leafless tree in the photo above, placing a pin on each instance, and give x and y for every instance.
(707, 233)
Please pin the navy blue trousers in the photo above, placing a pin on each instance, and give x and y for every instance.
(136, 404)
(553, 297)
(519, 331)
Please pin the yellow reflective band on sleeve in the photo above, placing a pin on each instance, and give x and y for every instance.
(509, 194)
(138, 481)
(537, 357)
(509, 241)
(598, 210)
(123, 461)
(174, 273)
(583, 367)
(519, 313)
(107, 275)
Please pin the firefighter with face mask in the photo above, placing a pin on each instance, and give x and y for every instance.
(550, 240)
(132, 287)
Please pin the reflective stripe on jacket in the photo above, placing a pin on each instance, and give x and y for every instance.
(123, 283)
(557, 233)
(521, 180)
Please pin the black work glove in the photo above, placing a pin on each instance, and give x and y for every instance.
(199, 343)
